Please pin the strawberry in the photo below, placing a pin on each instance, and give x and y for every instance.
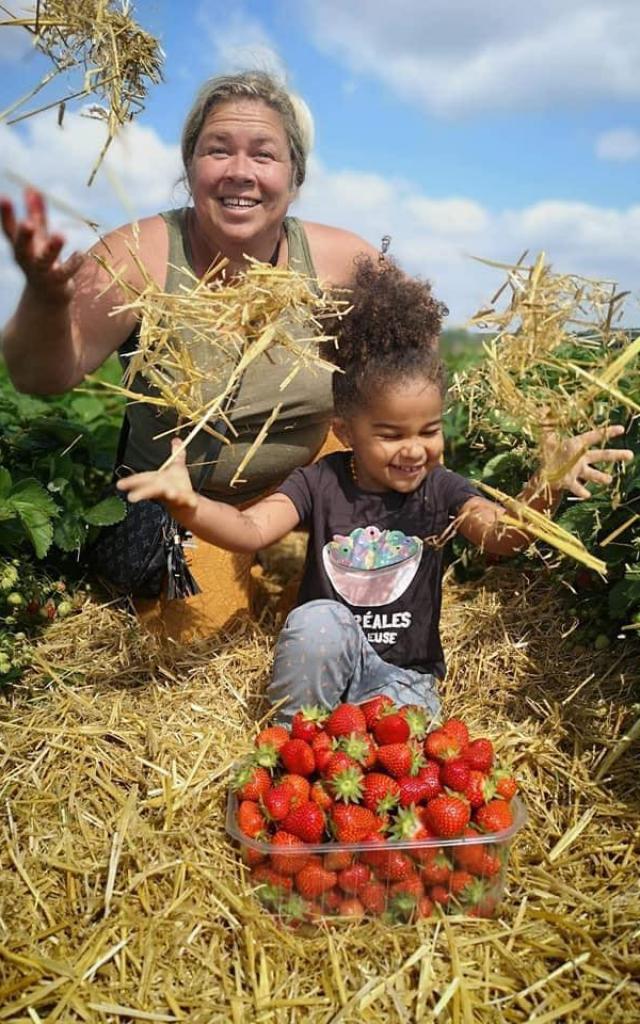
(251, 782)
(398, 759)
(456, 727)
(494, 816)
(413, 790)
(277, 800)
(472, 856)
(408, 826)
(301, 787)
(307, 723)
(360, 747)
(436, 871)
(352, 822)
(380, 792)
(479, 755)
(343, 778)
(322, 746)
(408, 887)
(506, 785)
(374, 857)
(479, 789)
(297, 757)
(252, 857)
(391, 727)
(439, 894)
(460, 883)
(345, 719)
(251, 820)
(429, 775)
(336, 860)
(267, 876)
(396, 866)
(448, 815)
(373, 896)
(424, 908)
(321, 796)
(372, 709)
(314, 880)
(306, 821)
(352, 879)
(454, 775)
(441, 746)
(351, 907)
(417, 720)
(288, 855)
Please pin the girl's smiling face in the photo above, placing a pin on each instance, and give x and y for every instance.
(397, 439)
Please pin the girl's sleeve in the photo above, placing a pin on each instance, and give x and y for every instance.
(300, 487)
(458, 491)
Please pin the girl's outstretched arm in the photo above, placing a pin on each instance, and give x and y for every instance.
(567, 465)
(223, 525)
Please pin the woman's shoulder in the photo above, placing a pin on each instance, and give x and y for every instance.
(144, 242)
(334, 250)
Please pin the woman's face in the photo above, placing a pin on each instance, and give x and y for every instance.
(241, 176)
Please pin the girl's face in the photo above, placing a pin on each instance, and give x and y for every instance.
(398, 438)
(241, 176)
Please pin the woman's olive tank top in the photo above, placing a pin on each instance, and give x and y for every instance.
(292, 440)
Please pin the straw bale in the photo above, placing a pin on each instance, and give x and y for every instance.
(117, 58)
(121, 899)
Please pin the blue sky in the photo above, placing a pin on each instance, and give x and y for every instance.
(458, 128)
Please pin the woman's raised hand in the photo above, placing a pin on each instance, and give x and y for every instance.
(572, 463)
(171, 485)
(37, 251)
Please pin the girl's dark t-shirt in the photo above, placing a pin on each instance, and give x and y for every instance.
(398, 606)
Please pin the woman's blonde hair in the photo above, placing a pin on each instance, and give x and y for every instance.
(255, 85)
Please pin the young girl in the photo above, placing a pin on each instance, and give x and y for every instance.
(368, 613)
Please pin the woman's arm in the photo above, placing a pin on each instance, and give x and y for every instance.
(62, 328)
(334, 252)
(567, 465)
(223, 525)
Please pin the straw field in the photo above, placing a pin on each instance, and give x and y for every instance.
(121, 899)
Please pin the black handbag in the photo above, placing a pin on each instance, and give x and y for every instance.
(134, 558)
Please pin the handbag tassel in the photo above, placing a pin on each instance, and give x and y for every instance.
(181, 582)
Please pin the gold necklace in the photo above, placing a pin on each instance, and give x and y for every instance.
(352, 469)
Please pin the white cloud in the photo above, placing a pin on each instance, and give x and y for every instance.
(458, 58)
(240, 42)
(436, 238)
(15, 41)
(621, 144)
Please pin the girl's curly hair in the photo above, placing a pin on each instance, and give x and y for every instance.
(390, 334)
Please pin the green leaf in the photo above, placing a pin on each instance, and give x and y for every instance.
(87, 407)
(38, 528)
(6, 482)
(29, 495)
(70, 533)
(623, 596)
(107, 512)
(7, 511)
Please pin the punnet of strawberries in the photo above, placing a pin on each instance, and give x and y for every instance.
(369, 810)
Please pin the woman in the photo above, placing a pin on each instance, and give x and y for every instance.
(244, 148)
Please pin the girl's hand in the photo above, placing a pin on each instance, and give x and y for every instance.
(572, 461)
(171, 485)
(37, 251)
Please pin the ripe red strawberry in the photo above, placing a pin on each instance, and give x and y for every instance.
(437, 870)
(336, 860)
(424, 908)
(479, 754)
(352, 879)
(251, 782)
(343, 777)
(398, 759)
(391, 728)
(301, 787)
(288, 855)
(380, 792)
(297, 757)
(413, 790)
(266, 875)
(375, 857)
(306, 821)
(506, 785)
(429, 775)
(408, 887)
(251, 820)
(314, 880)
(372, 709)
(440, 894)
(307, 723)
(455, 775)
(272, 736)
(479, 789)
(457, 728)
(345, 719)
(373, 896)
(441, 746)
(396, 866)
(448, 815)
(322, 746)
(494, 816)
(361, 747)
(460, 883)
(321, 796)
(252, 857)
(277, 801)
(352, 822)
(332, 899)
(351, 907)
(417, 720)
(408, 826)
